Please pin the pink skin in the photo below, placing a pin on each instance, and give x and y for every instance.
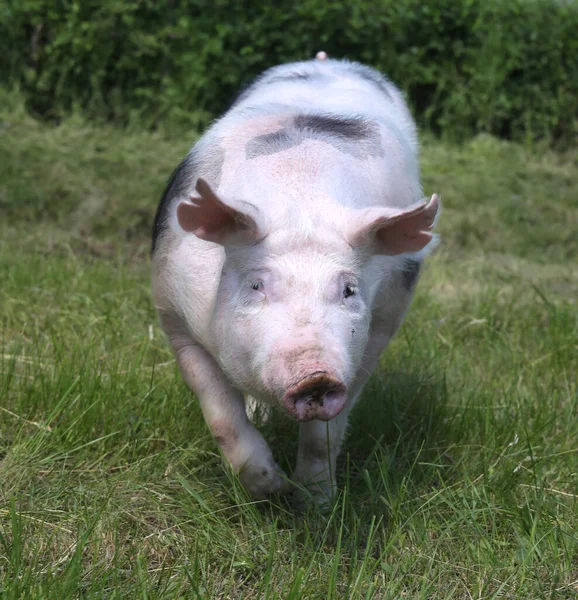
(250, 272)
(307, 376)
(287, 322)
(291, 319)
(311, 325)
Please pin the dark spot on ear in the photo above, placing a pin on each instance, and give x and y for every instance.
(410, 273)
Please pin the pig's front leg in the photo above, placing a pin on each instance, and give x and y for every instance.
(223, 408)
(319, 446)
(320, 441)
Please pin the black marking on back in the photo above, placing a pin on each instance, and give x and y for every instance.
(410, 273)
(182, 180)
(293, 76)
(356, 136)
(270, 143)
(211, 167)
(178, 182)
(348, 128)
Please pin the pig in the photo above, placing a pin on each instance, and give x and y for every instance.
(286, 249)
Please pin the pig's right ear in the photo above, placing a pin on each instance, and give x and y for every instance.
(394, 231)
(212, 219)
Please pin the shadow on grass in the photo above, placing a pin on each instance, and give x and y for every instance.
(398, 443)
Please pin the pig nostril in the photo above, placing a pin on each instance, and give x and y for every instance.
(319, 396)
(333, 396)
(314, 393)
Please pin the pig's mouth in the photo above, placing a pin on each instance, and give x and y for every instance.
(319, 395)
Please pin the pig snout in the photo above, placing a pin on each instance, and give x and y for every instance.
(316, 396)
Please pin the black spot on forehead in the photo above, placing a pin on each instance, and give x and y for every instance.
(356, 136)
(410, 273)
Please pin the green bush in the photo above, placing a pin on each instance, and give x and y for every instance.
(508, 67)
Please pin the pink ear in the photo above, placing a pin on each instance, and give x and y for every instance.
(213, 220)
(395, 231)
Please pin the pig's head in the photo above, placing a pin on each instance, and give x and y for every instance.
(292, 313)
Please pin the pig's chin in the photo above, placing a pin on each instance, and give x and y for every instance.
(317, 396)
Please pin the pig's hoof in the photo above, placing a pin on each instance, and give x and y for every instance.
(258, 413)
(315, 489)
(321, 496)
(264, 478)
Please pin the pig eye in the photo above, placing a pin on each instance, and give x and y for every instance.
(349, 290)
(257, 286)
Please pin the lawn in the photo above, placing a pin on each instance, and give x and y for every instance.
(459, 477)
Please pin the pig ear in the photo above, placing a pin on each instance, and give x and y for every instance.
(395, 231)
(212, 219)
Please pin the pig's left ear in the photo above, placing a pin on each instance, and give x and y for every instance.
(212, 219)
(395, 231)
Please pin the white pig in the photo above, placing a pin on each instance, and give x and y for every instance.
(286, 249)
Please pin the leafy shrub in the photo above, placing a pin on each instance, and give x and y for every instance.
(507, 67)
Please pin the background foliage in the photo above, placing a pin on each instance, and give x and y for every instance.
(508, 67)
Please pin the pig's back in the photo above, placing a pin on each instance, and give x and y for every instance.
(342, 102)
(335, 87)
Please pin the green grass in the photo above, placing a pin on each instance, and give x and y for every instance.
(459, 477)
